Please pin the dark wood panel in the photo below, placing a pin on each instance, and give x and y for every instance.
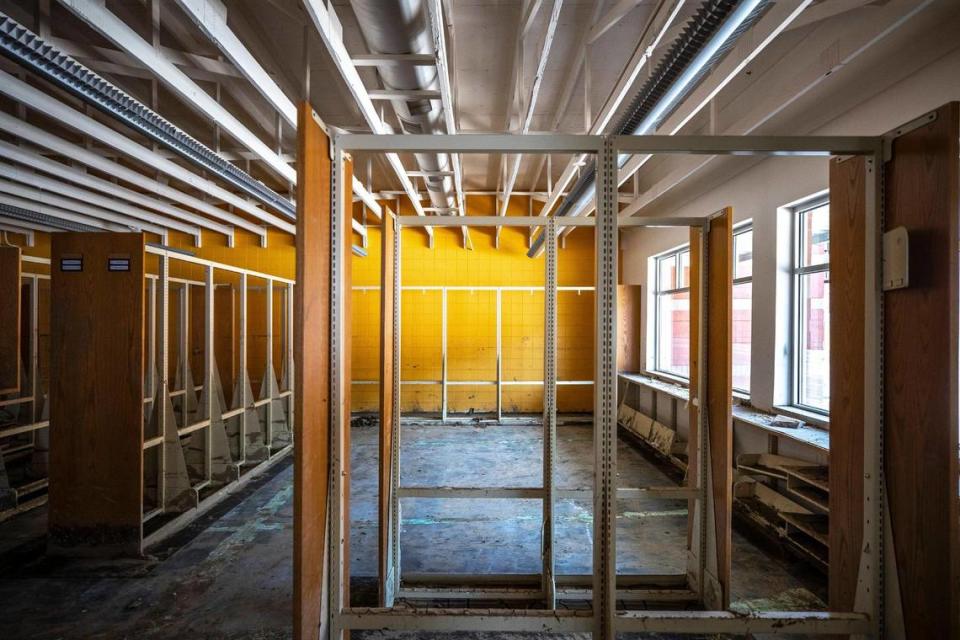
(10, 312)
(96, 395)
(387, 367)
(720, 386)
(224, 320)
(920, 370)
(629, 302)
(312, 374)
(847, 279)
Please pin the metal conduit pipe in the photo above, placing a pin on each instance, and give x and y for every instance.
(707, 37)
(402, 27)
(29, 50)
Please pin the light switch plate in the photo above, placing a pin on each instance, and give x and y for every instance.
(896, 259)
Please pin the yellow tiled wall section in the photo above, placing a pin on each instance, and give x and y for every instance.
(471, 336)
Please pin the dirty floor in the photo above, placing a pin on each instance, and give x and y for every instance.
(228, 576)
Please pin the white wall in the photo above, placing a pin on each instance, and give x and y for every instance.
(761, 187)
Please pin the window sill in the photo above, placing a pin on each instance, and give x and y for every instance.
(809, 417)
(668, 377)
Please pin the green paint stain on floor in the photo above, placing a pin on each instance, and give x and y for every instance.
(798, 599)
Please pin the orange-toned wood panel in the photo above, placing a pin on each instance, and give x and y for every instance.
(312, 374)
(224, 320)
(693, 451)
(387, 366)
(96, 395)
(346, 233)
(628, 327)
(719, 380)
(10, 319)
(847, 278)
(920, 377)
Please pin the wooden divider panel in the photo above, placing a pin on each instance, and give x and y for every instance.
(346, 235)
(10, 319)
(920, 377)
(693, 439)
(312, 373)
(96, 394)
(387, 366)
(847, 300)
(719, 381)
(628, 327)
(224, 337)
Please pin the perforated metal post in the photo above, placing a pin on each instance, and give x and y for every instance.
(268, 374)
(245, 399)
(549, 410)
(395, 512)
(208, 372)
(499, 354)
(163, 341)
(605, 397)
(443, 354)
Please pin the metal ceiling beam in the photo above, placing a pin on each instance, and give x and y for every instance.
(77, 176)
(55, 144)
(34, 197)
(32, 206)
(210, 16)
(9, 225)
(101, 20)
(531, 102)
(52, 185)
(20, 91)
(608, 20)
(332, 40)
(17, 217)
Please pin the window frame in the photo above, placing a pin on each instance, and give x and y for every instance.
(743, 227)
(797, 273)
(657, 294)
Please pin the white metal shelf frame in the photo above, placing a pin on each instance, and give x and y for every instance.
(603, 619)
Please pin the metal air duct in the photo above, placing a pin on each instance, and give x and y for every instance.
(401, 27)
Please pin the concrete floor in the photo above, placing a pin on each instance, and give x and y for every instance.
(228, 576)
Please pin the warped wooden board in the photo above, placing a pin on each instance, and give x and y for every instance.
(312, 374)
(96, 395)
(10, 313)
(847, 277)
(387, 368)
(920, 377)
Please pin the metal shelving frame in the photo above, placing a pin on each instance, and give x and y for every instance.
(603, 618)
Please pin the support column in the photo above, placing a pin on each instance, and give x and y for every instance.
(549, 411)
(605, 397)
(388, 404)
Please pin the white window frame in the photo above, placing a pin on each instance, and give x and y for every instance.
(657, 294)
(798, 272)
(742, 228)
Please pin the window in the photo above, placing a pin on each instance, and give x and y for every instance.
(811, 314)
(742, 305)
(672, 314)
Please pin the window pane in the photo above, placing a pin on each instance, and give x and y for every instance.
(815, 236)
(684, 269)
(814, 332)
(742, 309)
(673, 334)
(743, 254)
(667, 273)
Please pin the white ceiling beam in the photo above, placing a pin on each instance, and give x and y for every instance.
(210, 16)
(61, 214)
(530, 16)
(60, 188)
(367, 198)
(435, 11)
(615, 14)
(531, 101)
(78, 176)
(35, 197)
(20, 91)
(97, 16)
(641, 57)
(332, 40)
(55, 144)
(12, 225)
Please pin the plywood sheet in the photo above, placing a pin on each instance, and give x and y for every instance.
(10, 312)
(387, 367)
(312, 374)
(847, 277)
(96, 396)
(920, 377)
(628, 328)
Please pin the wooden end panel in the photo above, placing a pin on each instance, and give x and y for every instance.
(96, 394)
(10, 319)
(628, 327)
(920, 377)
(311, 337)
(720, 386)
(693, 452)
(387, 366)
(847, 278)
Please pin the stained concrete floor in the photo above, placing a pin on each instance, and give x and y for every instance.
(228, 576)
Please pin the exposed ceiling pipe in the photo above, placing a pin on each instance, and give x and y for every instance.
(401, 27)
(707, 37)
